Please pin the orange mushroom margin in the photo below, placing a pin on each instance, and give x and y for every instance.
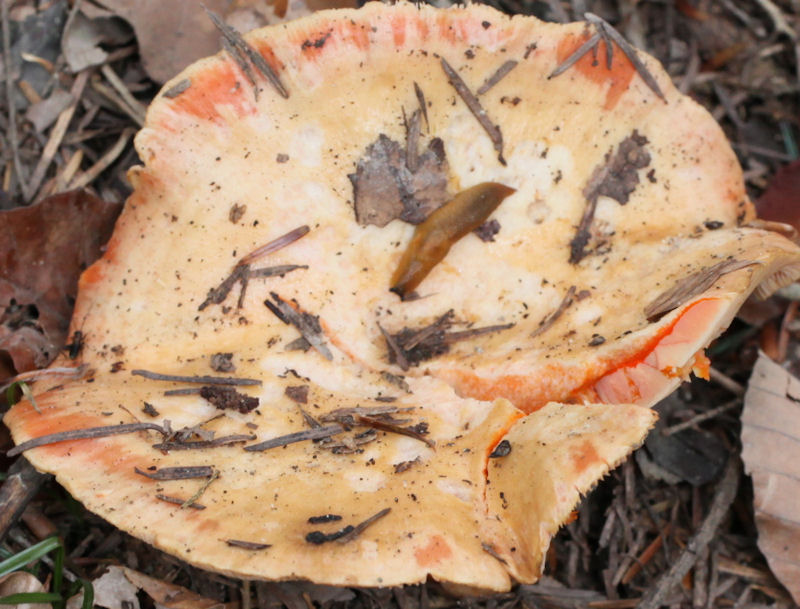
(468, 421)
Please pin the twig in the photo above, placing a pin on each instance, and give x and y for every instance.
(84, 434)
(31, 376)
(777, 18)
(12, 110)
(629, 51)
(201, 490)
(111, 95)
(57, 133)
(187, 472)
(241, 45)
(19, 488)
(498, 75)
(575, 56)
(709, 414)
(275, 245)
(68, 172)
(204, 380)
(88, 176)
(137, 109)
(492, 130)
(299, 436)
(723, 498)
(725, 381)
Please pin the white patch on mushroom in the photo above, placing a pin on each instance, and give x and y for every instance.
(305, 145)
(586, 314)
(538, 210)
(365, 481)
(457, 488)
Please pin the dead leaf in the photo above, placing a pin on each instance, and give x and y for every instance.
(174, 33)
(83, 37)
(385, 187)
(21, 582)
(692, 455)
(44, 113)
(44, 249)
(779, 201)
(113, 590)
(771, 455)
(169, 595)
(38, 35)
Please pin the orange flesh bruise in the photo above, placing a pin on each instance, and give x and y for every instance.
(625, 379)
(618, 78)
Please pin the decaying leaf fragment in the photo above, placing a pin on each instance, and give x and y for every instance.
(385, 187)
(538, 382)
(771, 453)
(43, 251)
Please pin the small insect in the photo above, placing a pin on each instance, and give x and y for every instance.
(74, 348)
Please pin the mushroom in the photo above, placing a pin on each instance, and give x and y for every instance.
(361, 439)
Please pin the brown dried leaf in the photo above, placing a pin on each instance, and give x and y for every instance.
(44, 249)
(119, 584)
(20, 583)
(779, 201)
(83, 37)
(616, 177)
(384, 188)
(174, 33)
(771, 455)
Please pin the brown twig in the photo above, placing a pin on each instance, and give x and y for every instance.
(723, 498)
(84, 434)
(57, 133)
(13, 138)
(21, 484)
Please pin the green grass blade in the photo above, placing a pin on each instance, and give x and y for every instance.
(88, 594)
(35, 552)
(58, 572)
(30, 597)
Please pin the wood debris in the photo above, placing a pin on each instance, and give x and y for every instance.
(247, 545)
(347, 533)
(297, 393)
(178, 88)
(608, 34)
(550, 319)
(616, 177)
(687, 288)
(242, 274)
(308, 325)
(411, 346)
(227, 398)
(497, 76)
(392, 182)
(492, 130)
(85, 434)
(176, 473)
(241, 51)
(179, 501)
(299, 436)
(178, 444)
(203, 380)
(222, 362)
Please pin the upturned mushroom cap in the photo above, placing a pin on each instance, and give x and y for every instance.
(621, 253)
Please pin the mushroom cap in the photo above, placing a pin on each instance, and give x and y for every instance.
(229, 164)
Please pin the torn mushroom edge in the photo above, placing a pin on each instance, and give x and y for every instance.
(763, 278)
